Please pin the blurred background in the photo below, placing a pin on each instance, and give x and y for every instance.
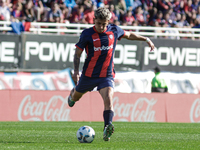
(38, 37)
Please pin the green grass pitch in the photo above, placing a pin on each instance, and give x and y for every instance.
(128, 135)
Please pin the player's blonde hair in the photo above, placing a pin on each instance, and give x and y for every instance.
(102, 13)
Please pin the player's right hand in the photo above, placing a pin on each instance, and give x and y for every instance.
(75, 78)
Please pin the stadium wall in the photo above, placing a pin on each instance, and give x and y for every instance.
(55, 52)
(125, 82)
(18, 105)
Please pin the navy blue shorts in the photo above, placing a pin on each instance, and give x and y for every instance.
(88, 84)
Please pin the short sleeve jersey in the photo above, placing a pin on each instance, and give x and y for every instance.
(100, 48)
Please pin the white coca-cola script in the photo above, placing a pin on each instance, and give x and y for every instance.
(195, 111)
(141, 110)
(56, 109)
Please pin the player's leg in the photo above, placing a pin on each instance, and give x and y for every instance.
(73, 97)
(107, 95)
(84, 84)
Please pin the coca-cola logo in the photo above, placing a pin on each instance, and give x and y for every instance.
(56, 109)
(141, 110)
(195, 111)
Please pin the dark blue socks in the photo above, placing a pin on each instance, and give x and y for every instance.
(107, 116)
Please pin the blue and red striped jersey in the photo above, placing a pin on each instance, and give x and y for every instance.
(100, 49)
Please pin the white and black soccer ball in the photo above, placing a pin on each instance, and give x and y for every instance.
(85, 134)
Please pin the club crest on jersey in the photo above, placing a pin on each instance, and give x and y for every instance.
(111, 36)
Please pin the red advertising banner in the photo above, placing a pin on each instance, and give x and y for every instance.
(21, 105)
(139, 107)
(183, 108)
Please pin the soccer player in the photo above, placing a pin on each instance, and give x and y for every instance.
(99, 43)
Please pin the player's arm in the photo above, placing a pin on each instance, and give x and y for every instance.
(77, 57)
(133, 36)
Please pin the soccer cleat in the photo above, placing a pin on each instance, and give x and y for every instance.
(108, 131)
(70, 102)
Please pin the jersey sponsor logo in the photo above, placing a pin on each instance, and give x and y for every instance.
(103, 48)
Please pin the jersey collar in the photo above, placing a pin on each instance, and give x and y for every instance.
(97, 31)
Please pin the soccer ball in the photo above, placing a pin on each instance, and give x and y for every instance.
(85, 134)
